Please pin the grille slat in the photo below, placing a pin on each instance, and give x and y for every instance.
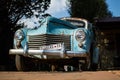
(35, 41)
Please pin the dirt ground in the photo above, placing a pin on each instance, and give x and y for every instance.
(117, 72)
(97, 75)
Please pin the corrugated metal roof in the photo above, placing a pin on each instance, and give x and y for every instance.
(108, 23)
(110, 19)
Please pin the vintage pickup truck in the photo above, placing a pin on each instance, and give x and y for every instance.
(58, 41)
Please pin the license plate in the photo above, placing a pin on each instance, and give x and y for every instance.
(51, 47)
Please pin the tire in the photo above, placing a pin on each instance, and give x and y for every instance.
(26, 63)
(94, 67)
(20, 63)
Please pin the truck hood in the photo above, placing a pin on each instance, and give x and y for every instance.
(51, 25)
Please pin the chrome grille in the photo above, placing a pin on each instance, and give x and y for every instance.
(35, 41)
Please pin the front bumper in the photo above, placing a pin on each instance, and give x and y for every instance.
(54, 53)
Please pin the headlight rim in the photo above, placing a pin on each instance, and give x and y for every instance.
(19, 35)
(81, 33)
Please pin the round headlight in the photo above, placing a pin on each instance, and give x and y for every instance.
(19, 35)
(80, 35)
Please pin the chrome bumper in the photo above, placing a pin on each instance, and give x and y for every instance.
(58, 53)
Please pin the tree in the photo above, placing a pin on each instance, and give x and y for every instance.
(10, 12)
(88, 9)
(16, 9)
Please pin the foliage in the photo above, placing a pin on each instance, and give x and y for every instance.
(13, 10)
(88, 9)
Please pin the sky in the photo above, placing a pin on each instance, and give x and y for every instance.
(58, 8)
(114, 7)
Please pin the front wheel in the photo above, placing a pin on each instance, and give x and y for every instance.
(25, 63)
(20, 63)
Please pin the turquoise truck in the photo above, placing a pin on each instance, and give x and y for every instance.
(58, 42)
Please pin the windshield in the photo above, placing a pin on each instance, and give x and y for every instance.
(77, 23)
